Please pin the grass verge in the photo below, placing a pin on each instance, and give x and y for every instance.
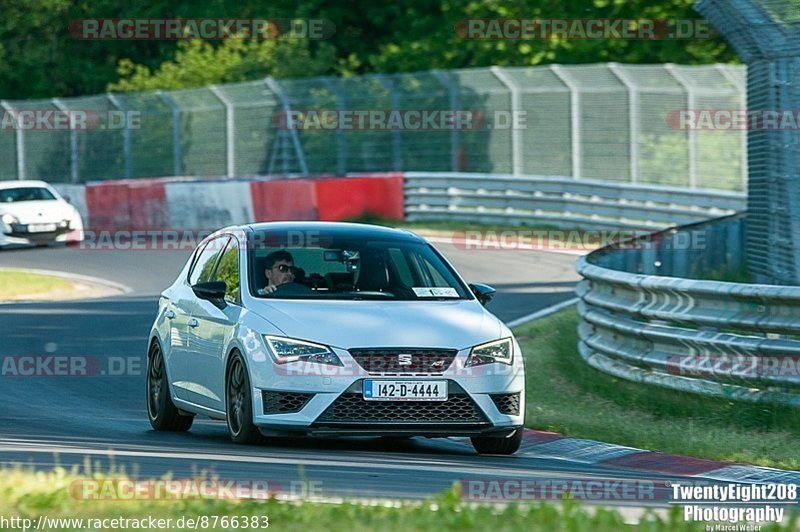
(28, 495)
(566, 395)
(15, 284)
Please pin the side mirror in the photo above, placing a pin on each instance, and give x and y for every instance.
(67, 198)
(483, 292)
(213, 291)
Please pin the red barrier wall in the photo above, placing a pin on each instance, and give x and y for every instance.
(283, 199)
(349, 197)
(126, 205)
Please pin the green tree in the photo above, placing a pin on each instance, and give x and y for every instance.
(198, 63)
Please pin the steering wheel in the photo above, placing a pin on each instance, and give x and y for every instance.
(292, 289)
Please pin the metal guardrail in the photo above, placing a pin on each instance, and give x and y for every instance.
(716, 338)
(561, 201)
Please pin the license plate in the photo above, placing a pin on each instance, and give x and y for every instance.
(385, 390)
(41, 228)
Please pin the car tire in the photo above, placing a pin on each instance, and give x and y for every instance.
(239, 404)
(495, 445)
(161, 411)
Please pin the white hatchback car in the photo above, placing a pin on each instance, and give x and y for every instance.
(33, 212)
(361, 330)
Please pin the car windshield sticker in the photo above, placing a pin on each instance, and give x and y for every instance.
(435, 292)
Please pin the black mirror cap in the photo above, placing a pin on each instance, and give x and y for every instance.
(483, 292)
(213, 291)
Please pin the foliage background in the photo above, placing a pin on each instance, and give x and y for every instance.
(39, 58)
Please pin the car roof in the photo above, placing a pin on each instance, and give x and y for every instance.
(339, 229)
(19, 184)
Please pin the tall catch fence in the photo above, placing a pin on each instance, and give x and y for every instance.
(611, 122)
(766, 34)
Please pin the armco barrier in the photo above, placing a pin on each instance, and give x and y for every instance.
(564, 202)
(710, 337)
(567, 203)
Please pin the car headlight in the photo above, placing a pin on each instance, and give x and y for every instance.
(286, 350)
(9, 219)
(497, 351)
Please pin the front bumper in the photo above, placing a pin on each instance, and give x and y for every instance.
(20, 236)
(483, 400)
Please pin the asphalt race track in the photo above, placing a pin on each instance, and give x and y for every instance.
(48, 420)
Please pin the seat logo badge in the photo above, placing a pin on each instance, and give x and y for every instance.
(404, 359)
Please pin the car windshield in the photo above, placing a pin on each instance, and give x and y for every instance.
(20, 194)
(349, 268)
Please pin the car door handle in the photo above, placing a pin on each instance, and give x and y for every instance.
(193, 322)
(170, 314)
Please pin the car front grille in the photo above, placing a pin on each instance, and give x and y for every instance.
(284, 402)
(403, 361)
(507, 403)
(353, 408)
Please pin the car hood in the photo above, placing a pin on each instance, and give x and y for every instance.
(348, 324)
(38, 211)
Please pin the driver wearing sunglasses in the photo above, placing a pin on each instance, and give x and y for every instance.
(279, 269)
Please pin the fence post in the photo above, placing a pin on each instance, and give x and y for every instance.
(341, 136)
(741, 87)
(691, 103)
(20, 141)
(230, 139)
(278, 91)
(73, 141)
(397, 149)
(516, 107)
(633, 118)
(126, 136)
(452, 89)
(575, 117)
(177, 155)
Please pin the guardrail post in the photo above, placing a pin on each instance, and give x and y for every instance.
(575, 117)
(20, 141)
(73, 141)
(177, 149)
(516, 107)
(230, 138)
(633, 117)
(126, 136)
(691, 103)
(452, 89)
(298, 148)
(341, 137)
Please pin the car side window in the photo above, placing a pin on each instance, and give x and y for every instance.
(203, 267)
(228, 271)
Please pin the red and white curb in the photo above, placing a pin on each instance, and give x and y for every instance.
(543, 444)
